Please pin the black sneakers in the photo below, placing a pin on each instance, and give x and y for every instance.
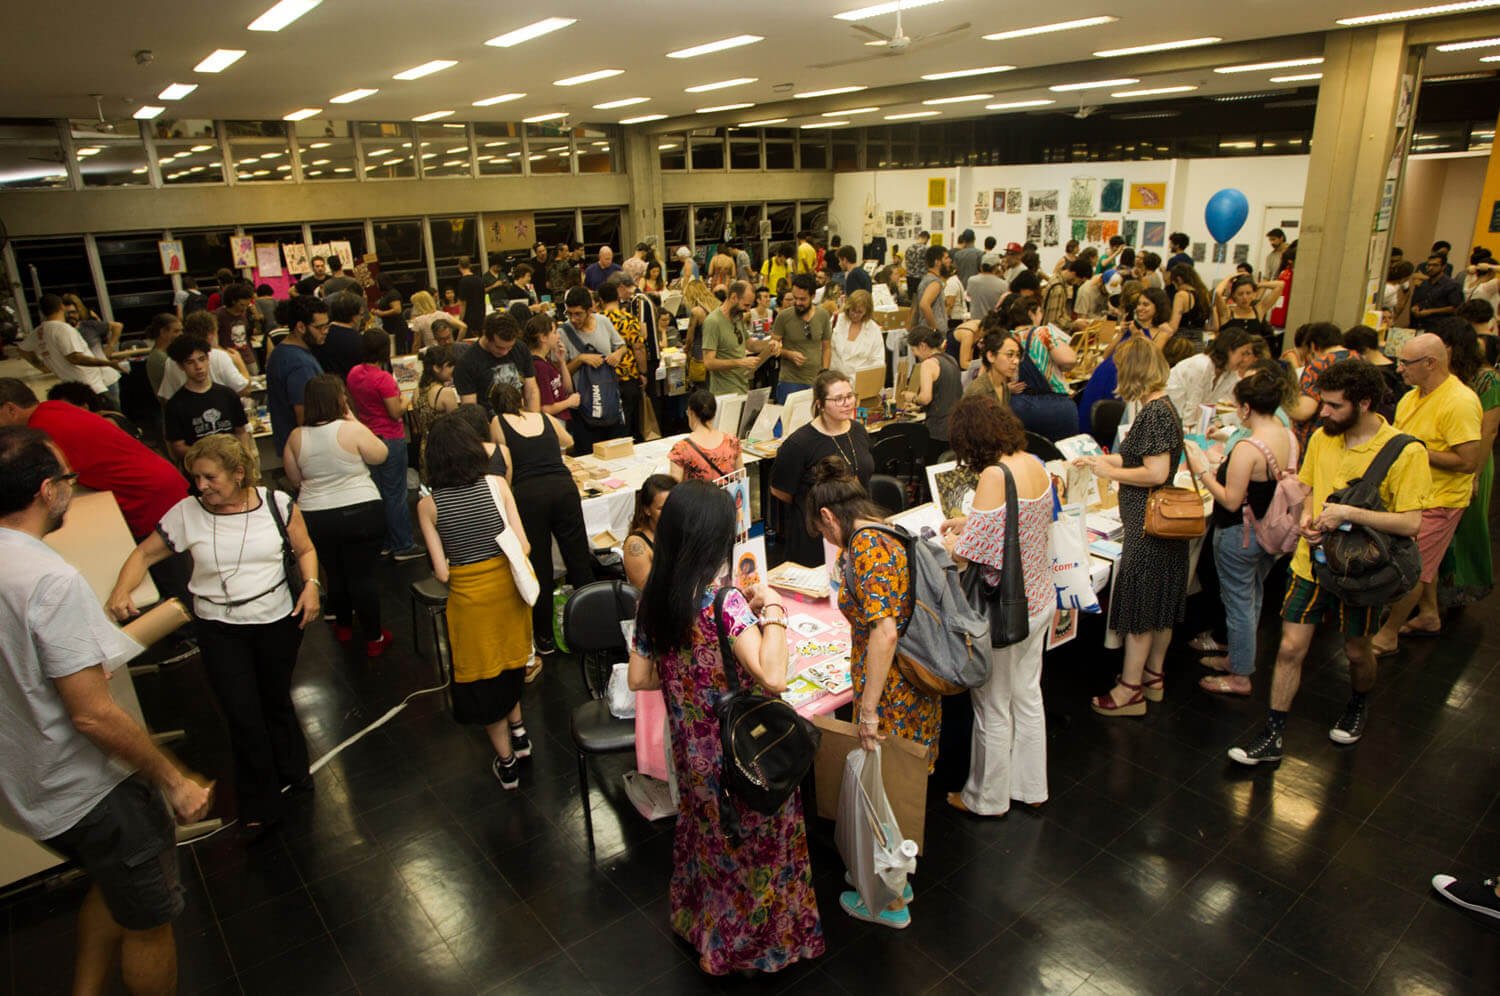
(1351, 725)
(1477, 897)
(509, 772)
(520, 743)
(1264, 749)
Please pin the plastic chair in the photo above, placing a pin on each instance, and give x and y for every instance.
(887, 492)
(1104, 420)
(591, 626)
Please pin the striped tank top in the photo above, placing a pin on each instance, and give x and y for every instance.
(468, 522)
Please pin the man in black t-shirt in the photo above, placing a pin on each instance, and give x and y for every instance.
(342, 350)
(310, 283)
(200, 407)
(470, 293)
(496, 358)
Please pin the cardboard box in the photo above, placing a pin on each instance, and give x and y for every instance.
(614, 449)
(903, 769)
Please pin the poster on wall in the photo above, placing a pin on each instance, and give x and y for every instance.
(1095, 230)
(171, 256)
(1153, 234)
(367, 272)
(295, 254)
(344, 251)
(1013, 200)
(1111, 196)
(1050, 235)
(982, 198)
(890, 218)
(997, 202)
(267, 260)
(937, 221)
(937, 192)
(1108, 229)
(1221, 252)
(1041, 201)
(981, 215)
(1034, 228)
(505, 231)
(1241, 252)
(1200, 252)
(242, 248)
(1081, 196)
(1080, 229)
(1130, 229)
(1148, 196)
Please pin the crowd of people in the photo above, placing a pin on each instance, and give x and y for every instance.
(550, 356)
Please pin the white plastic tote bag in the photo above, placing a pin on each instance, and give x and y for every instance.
(868, 839)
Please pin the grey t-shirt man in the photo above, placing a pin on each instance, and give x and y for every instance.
(939, 309)
(985, 291)
(966, 263)
(51, 626)
(603, 336)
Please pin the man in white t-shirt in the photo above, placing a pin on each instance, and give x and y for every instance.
(58, 348)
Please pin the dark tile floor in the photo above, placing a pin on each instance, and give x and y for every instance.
(1156, 867)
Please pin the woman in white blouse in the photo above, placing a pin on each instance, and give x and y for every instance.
(1209, 377)
(857, 340)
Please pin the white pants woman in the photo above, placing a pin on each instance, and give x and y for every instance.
(1009, 744)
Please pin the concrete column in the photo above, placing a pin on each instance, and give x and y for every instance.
(1489, 204)
(1366, 103)
(643, 215)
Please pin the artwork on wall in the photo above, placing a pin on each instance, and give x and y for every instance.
(890, 218)
(1200, 252)
(242, 247)
(345, 252)
(1148, 196)
(1034, 228)
(1130, 228)
(982, 198)
(506, 231)
(295, 254)
(1050, 236)
(1111, 196)
(937, 192)
(1095, 230)
(1041, 200)
(267, 260)
(1221, 252)
(981, 215)
(997, 201)
(1080, 229)
(1081, 196)
(1013, 201)
(1153, 234)
(937, 221)
(1241, 252)
(171, 256)
(1108, 229)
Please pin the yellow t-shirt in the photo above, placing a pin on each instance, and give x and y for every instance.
(772, 273)
(807, 258)
(1449, 416)
(1329, 465)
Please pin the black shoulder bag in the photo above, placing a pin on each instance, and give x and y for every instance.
(767, 745)
(1004, 605)
(294, 579)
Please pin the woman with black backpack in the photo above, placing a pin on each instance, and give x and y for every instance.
(745, 904)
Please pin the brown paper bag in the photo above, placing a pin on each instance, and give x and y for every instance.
(649, 429)
(903, 769)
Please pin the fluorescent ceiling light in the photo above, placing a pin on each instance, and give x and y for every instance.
(875, 10)
(1465, 46)
(1236, 145)
(1015, 105)
(461, 148)
(538, 118)
(1458, 77)
(1301, 78)
(1091, 85)
(830, 92)
(379, 152)
(610, 105)
(665, 146)
(722, 107)
(315, 145)
(350, 96)
(765, 121)
(1401, 15)
(303, 114)
(1044, 29)
(593, 77)
(960, 73)
(822, 124)
(433, 115)
(498, 99)
(913, 114)
(1110, 53)
(1154, 91)
(721, 84)
(1255, 67)
(321, 162)
(1490, 58)
(219, 60)
(92, 151)
(714, 46)
(965, 99)
(642, 119)
(526, 34)
(425, 69)
(852, 110)
(394, 162)
(282, 14)
(147, 111)
(177, 91)
(201, 148)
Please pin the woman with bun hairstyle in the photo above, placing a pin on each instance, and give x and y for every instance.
(640, 544)
(882, 595)
(831, 433)
(707, 453)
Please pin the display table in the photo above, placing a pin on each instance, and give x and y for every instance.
(612, 511)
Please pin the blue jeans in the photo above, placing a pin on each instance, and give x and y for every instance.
(785, 390)
(390, 479)
(1242, 582)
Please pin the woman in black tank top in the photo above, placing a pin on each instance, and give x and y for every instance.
(640, 545)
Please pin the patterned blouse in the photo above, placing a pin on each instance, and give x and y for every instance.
(706, 464)
(629, 328)
(983, 542)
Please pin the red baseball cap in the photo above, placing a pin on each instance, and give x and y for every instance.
(1014, 247)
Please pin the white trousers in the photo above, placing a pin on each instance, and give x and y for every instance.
(1009, 747)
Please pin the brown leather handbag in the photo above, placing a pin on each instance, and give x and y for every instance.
(1173, 512)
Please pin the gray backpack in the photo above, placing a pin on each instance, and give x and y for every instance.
(943, 646)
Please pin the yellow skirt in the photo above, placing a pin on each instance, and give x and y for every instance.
(489, 624)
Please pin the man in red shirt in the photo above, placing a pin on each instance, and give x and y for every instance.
(104, 456)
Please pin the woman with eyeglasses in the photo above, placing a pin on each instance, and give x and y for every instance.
(832, 432)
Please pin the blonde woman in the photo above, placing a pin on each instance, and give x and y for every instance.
(720, 271)
(425, 311)
(857, 340)
(700, 302)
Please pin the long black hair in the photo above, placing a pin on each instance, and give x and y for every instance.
(695, 535)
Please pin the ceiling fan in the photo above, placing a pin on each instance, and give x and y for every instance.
(892, 44)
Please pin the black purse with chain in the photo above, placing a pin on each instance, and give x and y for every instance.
(294, 579)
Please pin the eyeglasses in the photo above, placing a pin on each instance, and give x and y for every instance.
(1407, 363)
(839, 399)
(319, 326)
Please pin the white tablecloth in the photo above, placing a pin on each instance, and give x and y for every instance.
(612, 512)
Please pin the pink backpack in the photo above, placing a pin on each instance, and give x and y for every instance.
(1278, 530)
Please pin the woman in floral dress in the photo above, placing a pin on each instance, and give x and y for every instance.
(747, 905)
(838, 508)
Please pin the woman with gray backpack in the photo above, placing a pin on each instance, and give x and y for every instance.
(1254, 521)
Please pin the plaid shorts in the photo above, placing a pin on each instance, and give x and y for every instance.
(1309, 602)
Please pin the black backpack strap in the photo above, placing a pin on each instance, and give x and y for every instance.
(1387, 457)
(706, 458)
(577, 340)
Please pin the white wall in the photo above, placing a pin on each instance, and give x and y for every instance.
(1459, 205)
(1264, 180)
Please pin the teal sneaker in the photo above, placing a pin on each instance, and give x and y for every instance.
(906, 893)
(855, 907)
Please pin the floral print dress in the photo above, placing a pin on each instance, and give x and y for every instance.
(741, 906)
(882, 588)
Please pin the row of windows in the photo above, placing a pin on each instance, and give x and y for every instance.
(120, 275)
(78, 154)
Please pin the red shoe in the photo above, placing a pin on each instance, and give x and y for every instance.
(1105, 705)
(377, 647)
(1152, 685)
(343, 633)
